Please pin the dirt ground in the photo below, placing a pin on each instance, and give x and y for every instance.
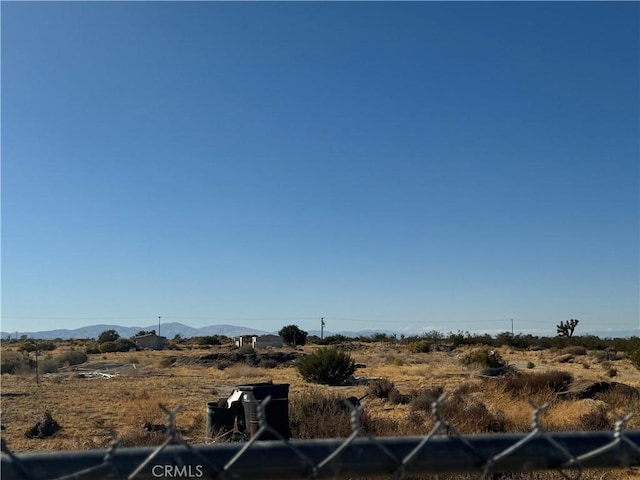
(121, 391)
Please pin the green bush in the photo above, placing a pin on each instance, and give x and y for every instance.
(209, 340)
(28, 346)
(92, 348)
(484, 358)
(420, 346)
(332, 340)
(48, 365)
(530, 364)
(120, 345)
(73, 357)
(327, 366)
(126, 345)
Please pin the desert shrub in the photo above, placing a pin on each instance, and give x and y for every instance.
(599, 355)
(565, 358)
(125, 345)
(92, 348)
(422, 399)
(333, 340)
(530, 364)
(380, 388)
(106, 347)
(313, 415)
(209, 340)
(74, 357)
(470, 415)
(268, 363)
(16, 363)
(527, 385)
(327, 366)
(623, 398)
(612, 372)
(223, 364)
(596, 419)
(515, 341)
(635, 358)
(420, 346)
(46, 346)
(27, 346)
(466, 412)
(48, 365)
(575, 350)
(586, 365)
(484, 358)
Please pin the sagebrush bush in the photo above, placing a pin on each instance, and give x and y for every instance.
(380, 388)
(537, 383)
(48, 365)
(575, 350)
(327, 366)
(73, 357)
(16, 363)
(420, 346)
(483, 358)
(313, 415)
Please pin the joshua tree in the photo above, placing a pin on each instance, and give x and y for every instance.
(565, 329)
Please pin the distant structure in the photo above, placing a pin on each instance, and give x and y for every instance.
(242, 340)
(264, 341)
(151, 341)
(261, 341)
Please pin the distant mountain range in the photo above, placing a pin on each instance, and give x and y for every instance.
(170, 330)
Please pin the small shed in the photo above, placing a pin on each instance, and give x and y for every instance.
(151, 341)
(264, 341)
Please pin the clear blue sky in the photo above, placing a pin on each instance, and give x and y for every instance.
(399, 166)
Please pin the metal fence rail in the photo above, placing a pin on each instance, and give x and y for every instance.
(443, 450)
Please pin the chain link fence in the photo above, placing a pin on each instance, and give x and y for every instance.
(442, 451)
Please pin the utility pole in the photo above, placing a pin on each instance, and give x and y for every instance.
(159, 325)
(321, 328)
(512, 326)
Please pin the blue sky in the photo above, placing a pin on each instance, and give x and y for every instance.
(402, 166)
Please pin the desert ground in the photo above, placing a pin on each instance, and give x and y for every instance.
(122, 391)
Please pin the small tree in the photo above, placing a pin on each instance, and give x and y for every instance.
(326, 366)
(108, 336)
(565, 329)
(293, 336)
